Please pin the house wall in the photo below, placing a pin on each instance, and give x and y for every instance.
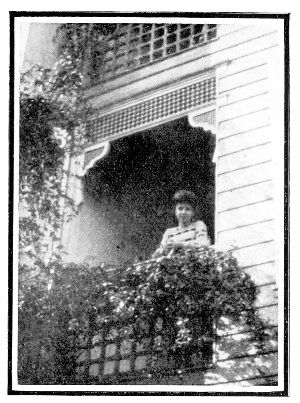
(38, 46)
(245, 195)
(246, 200)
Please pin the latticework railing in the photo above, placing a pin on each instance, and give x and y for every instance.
(110, 352)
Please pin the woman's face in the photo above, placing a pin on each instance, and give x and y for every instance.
(184, 213)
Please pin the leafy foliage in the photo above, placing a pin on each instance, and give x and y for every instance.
(86, 44)
(188, 291)
(53, 114)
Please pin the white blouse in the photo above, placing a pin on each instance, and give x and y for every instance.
(195, 234)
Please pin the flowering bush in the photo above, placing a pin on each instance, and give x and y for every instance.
(189, 292)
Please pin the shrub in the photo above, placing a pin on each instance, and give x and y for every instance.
(189, 292)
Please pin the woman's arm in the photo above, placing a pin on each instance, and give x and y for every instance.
(201, 236)
(164, 245)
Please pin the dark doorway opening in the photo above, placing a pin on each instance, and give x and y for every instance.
(142, 172)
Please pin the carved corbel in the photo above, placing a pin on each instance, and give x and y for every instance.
(206, 120)
(94, 154)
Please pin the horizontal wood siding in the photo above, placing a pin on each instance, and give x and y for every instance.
(249, 138)
(245, 204)
(263, 273)
(258, 87)
(267, 295)
(245, 176)
(243, 107)
(255, 254)
(243, 123)
(240, 344)
(241, 159)
(245, 195)
(243, 370)
(248, 234)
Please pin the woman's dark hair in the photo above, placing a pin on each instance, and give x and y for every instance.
(185, 196)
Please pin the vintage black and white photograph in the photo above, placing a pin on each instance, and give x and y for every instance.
(148, 231)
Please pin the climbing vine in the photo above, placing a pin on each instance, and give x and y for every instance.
(180, 290)
(53, 115)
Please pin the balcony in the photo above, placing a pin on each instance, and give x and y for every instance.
(144, 324)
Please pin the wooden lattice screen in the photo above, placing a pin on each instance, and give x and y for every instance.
(110, 353)
(155, 110)
(131, 46)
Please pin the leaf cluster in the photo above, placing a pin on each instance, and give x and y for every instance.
(187, 292)
(53, 115)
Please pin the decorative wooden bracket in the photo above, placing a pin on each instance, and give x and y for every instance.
(206, 119)
(94, 154)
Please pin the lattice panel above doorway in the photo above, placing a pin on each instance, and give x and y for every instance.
(128, 47)
(172, 104)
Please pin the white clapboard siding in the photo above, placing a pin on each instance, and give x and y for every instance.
(243, 140)
(267, 295)
(226, 29)
(255, 254)
(241, 78)
(253, 47)
(262, 273)
(244, 158)
(236, 370)
(248, 35)
(227, 327)
(244, 199)
(248, 60)
(269, 314)
(246, 48)
(240, 123)
(255, 381)
(249, 90)
(246, 106)
(245, 195)
(245, 176)
(246, 215)
(240, 344)
(247, 235)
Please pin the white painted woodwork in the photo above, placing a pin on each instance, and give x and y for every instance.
(246, 215)
(244, 158)
(239, 123)
(247, 139)
(241, 78)
(250, 59)
(247, 90)
(247, 235)
(243, 107)
(238, 371)
(262, 273)
(255, 254)
(245, 195)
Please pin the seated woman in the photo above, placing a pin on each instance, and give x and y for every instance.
(189, 233)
